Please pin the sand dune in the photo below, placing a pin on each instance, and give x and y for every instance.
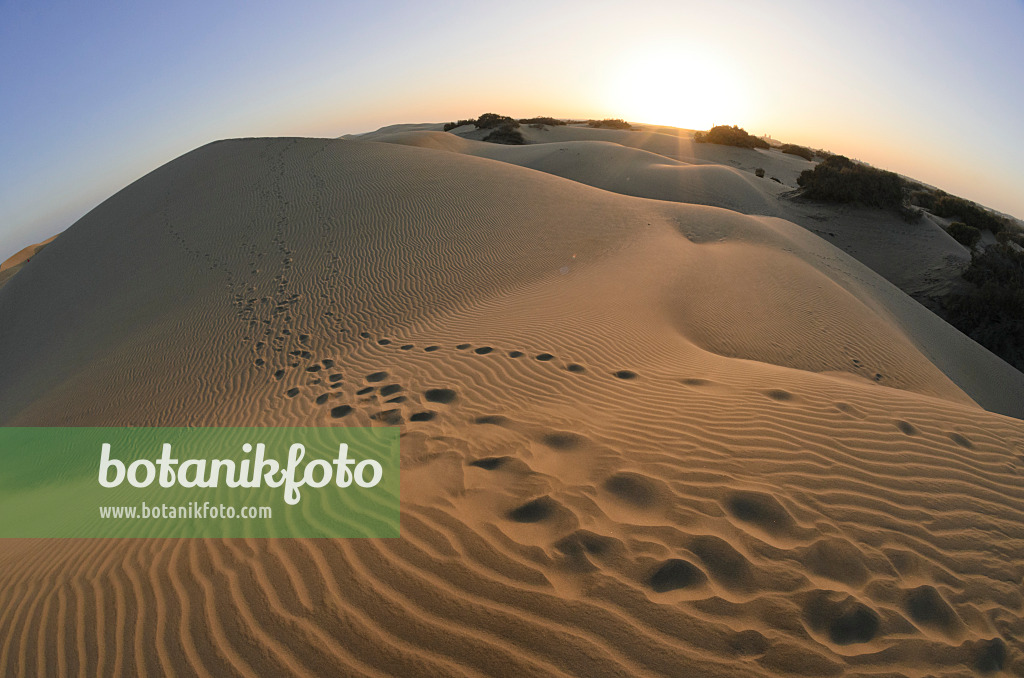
(640, 437)
(17, 261)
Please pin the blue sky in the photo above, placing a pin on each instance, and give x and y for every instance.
(95, 94)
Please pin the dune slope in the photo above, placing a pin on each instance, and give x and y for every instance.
(639, 437)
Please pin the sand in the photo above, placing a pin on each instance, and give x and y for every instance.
(680, 439)
(17, 261)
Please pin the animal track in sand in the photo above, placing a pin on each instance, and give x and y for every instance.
(675, 574)
(534, 510)
(907, 428)
(760, 509)
(632, 488)
(390, 389)
(846, 621)
(392, 417)
(960, 440)
(626, 374)
(440, 395)
(927, 607)
(494, 419)
(376, 376)
(490, 463)
(562, 440)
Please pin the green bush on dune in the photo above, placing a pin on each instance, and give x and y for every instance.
(729, 136)
(992, 312)
(552, 122)
(449, 126)
(503, 128)
(493, 120)
(839, 179)
(943, 204)
(506, 134)
(968, 236)
(485, 121)
(609, 123)
(802, 151)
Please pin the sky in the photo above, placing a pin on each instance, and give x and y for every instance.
(95, 94)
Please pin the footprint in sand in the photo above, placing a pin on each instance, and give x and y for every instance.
(440, 395)
(490, 463)
(675, 574)
(907, 428)
(961, 440)
(493, 419)
(534, 510)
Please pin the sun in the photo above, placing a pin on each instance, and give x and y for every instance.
(676, 88)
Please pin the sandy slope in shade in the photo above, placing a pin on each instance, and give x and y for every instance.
(661, 448)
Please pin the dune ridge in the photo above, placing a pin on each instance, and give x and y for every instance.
(631, 443)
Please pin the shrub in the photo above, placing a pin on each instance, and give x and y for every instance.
(802, 151)
(1007, 237)
(970, 213)
(909, 213)
(968, 236)
(493, 120)
(839, 179)
(759, 173)
(506, 134)
(729, 136)
(610, 123)
(542, 121)
(449, 126)
(923, 198)
(992, 313)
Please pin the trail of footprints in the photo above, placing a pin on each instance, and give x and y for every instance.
(322, 374)
(392, 393)
(842, 619)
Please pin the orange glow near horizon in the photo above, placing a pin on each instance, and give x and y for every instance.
(677, 88)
